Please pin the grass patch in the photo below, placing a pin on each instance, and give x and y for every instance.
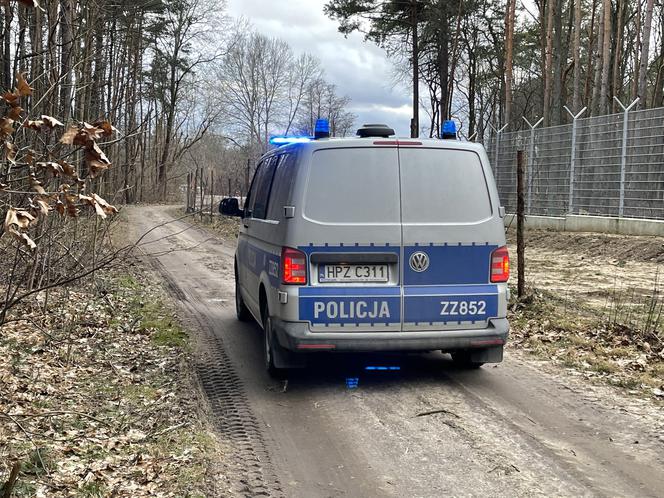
(583, 338)
(154, 317)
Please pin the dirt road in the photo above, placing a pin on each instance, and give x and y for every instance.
(428, 430)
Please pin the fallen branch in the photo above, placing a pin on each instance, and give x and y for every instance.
(434, 412)
(8, 487)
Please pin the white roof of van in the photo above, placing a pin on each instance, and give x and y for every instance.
(330, 143)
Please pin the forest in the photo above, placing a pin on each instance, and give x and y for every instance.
(489, 63)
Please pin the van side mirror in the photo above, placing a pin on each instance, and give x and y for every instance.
(230, 206)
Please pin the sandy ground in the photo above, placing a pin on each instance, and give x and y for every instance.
(592, 268)
(520, 428)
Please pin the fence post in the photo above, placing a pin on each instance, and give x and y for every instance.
(531, 159)
(623, 155)
(211, 192)
(572, 161)
(495, 154)
(188, 191)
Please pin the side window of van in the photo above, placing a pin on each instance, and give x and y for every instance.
(261, 188)
(281, 185)
(251, 195)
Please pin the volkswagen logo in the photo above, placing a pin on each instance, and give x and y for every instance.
(419, 261)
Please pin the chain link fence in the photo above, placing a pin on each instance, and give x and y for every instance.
(606, 165)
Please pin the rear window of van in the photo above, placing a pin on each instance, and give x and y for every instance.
(353, 186)
(443, 186)
(362, 186)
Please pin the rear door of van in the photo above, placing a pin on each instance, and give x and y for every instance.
(350, 230)
(450, 228)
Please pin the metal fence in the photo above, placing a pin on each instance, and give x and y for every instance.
(606, 165)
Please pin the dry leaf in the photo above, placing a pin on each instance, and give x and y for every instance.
(37, 124)
(10, 152)
(59, 207)
(92, 202)
(68, 169)
(69, 136)
(108, 208)
(15, 112)
(50, 121)
(91, 131)
(106, 127)
(37, 185)
(6, 127)
(96, 160)
(23, 238)
(22, 86)
(44, 208)
(11, 98)
(70, 203)
(18, 218)
(53, 167)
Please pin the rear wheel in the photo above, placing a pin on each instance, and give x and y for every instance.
(269, 347)
(463, 359)
(241, 309)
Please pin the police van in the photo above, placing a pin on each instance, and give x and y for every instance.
(373, 243)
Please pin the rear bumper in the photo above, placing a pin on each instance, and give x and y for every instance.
(296, 336)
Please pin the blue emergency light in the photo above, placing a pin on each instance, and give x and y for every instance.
(322, 128)
(449, 131)
(284, 140)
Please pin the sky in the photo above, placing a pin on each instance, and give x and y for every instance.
(359, 69)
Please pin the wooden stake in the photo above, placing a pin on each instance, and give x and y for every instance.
(211, 193)
(520, 222)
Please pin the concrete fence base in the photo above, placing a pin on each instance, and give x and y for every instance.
(583, 223)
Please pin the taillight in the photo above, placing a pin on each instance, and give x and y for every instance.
(294, 266)
(500, 265)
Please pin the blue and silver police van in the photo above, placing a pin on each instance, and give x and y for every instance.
(373, 243)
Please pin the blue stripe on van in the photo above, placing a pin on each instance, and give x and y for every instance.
(257, 260)
(450, 265)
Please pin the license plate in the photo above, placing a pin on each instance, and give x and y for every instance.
(353, 273)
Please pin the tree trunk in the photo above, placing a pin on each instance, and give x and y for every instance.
(618, 55)
(509, 51)
(606, 58)
(415, 123)
(558, 58)
(645, 53)
(67, 47)
(7, 47)
(443, 64)
(636, 52)
(592, 62)
(576, 50)
(548, 62)
(597, 77)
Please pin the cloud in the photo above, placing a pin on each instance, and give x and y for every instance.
(360, 69)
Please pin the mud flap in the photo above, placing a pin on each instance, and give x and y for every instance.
(493, 354)
(283, 358)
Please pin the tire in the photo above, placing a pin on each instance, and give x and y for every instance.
(462, 359)
(241, 309)
(269, 347)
